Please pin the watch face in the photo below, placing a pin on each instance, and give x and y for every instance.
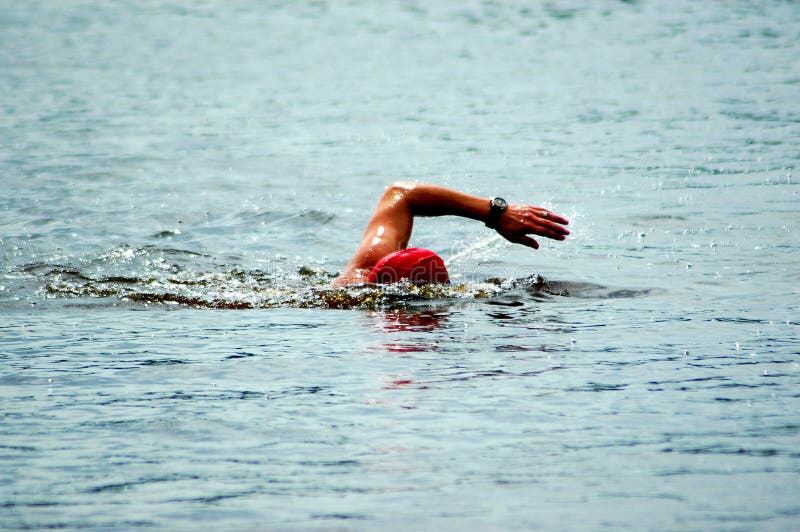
(497, 206)
(499, 203)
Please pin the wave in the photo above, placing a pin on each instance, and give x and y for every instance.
(153, 275)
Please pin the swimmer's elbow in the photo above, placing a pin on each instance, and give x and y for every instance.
(398, 190)
(400, 187)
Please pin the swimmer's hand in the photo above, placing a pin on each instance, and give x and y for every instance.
(519, 221)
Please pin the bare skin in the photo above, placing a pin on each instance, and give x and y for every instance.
(390, 227)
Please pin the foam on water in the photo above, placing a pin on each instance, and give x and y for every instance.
(167, 276)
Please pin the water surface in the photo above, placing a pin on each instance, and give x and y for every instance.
(183, 180)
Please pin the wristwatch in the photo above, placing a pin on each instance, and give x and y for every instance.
(497, 206)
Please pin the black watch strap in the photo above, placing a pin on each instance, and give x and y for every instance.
(497, 206)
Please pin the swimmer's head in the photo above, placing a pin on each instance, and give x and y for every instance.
(416, 265)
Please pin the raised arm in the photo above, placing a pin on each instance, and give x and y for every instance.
(390, 227)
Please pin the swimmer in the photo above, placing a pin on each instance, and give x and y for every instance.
(384, 257)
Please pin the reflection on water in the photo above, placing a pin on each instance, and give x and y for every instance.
(410, 330)
(409, 320)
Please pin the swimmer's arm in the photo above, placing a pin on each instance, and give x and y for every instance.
(514, 225)
(390, 227)
(388, 230)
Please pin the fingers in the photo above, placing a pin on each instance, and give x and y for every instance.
(546, 229)
(550, 229)
(539, 212)
(553, 217)
(546, 223)
(523, 220)
(526, 241)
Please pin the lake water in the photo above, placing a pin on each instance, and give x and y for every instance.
(181, 180)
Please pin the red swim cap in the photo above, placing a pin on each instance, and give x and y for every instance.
(415, 264)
